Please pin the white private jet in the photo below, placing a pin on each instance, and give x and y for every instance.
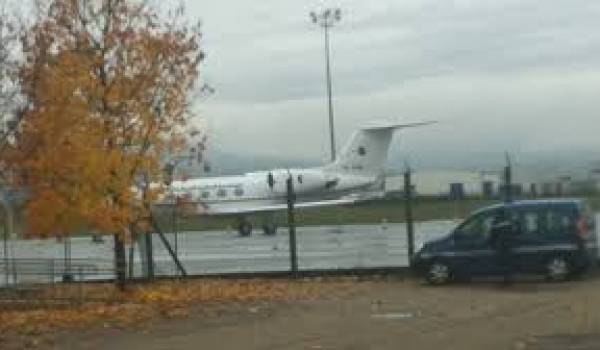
(356, 175)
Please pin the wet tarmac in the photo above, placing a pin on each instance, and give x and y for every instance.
(319, 247)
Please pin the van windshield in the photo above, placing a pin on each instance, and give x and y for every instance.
(477, 227)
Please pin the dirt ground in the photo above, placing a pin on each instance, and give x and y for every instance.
(391, 314)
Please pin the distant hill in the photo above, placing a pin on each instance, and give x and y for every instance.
(540, 165)
(551, 159)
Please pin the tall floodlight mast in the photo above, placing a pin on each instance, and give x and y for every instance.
(327, 19)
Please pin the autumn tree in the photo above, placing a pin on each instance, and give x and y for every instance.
(107, 86)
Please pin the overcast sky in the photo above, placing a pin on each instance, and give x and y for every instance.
(516, 75)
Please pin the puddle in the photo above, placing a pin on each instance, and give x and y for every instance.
(395, 316)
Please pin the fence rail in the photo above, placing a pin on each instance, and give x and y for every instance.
(51, 282)
(322, 251)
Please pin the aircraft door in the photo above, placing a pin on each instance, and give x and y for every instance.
(276, 181)
(270, 180)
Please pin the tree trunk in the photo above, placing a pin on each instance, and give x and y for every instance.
(120, 263)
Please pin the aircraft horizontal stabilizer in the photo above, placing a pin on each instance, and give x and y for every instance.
(397, 126)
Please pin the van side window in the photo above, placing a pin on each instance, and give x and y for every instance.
(529, 223)
(557, 223)
(546, 222)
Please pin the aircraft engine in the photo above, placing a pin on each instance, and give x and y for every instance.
(309, 181)
(304, 181)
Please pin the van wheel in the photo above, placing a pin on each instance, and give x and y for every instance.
(438, 273)
(557, 269)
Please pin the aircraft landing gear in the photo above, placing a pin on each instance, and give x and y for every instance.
(245, 228)
(270, 229)
(269, 224)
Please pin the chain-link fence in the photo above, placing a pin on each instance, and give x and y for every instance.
(54, 272)
(52, 282)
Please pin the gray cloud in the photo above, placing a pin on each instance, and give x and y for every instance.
(513, 74)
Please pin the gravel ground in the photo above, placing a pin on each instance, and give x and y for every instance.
(388, 314)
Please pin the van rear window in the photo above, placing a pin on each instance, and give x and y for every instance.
(557, 223)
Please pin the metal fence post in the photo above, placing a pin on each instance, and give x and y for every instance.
(80, 285)
(5, 248)
(408, 213)
(67, 274)
(508, 180)
(131, 252)
(167, 245)
(292, 226)
(14, 269)
(120, 261)
(149, 256)
(51, 276)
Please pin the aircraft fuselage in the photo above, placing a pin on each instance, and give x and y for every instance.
(266, 191)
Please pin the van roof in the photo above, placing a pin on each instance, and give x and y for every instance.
(535, 202)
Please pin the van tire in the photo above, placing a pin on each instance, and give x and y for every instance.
(438, 273)
(558, 269)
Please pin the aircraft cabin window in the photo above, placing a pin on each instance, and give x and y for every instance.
(238, 191)
(221, 192)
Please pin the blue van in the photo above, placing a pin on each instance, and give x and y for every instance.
(555, 238)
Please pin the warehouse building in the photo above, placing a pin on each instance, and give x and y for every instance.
(447, 183)
(456, 184)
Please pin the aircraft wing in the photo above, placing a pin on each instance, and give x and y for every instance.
(248, 208)
(231, 210)
(349, 199)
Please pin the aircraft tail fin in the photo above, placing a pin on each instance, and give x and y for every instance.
(367, 151)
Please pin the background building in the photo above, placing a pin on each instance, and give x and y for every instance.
(527, 182)
(447, 183)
